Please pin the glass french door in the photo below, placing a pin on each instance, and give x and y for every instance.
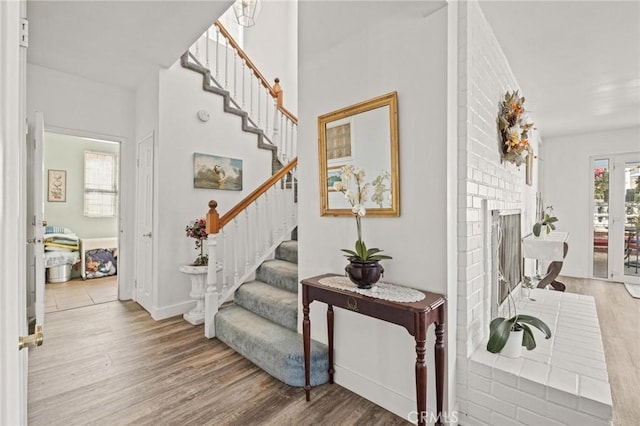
(616, 217)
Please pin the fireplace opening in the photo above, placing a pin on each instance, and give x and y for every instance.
(506, 255)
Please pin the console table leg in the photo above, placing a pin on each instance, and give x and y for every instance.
(421, 378)
(306, 336)
(440, 356)
(330, 332)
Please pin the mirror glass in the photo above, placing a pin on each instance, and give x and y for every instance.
(363, 136)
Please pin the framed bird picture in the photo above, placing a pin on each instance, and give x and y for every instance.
(214, 172)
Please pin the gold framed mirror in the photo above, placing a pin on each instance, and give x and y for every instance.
(363, 136)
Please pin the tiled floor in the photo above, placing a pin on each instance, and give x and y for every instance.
(77, 293)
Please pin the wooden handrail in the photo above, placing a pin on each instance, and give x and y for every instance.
(275, 91)
(215, 222)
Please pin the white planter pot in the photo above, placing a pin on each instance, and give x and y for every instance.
(513, 348)
(198, 276)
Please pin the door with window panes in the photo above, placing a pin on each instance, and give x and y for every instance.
(616, 217)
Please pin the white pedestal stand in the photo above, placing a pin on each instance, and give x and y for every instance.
(198, 275)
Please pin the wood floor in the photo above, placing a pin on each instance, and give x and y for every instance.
(111, 364)
(78, 292)
(619, 316)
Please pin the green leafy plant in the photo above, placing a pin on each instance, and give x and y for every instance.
(363, 254)
(547, 222)
(500, 329)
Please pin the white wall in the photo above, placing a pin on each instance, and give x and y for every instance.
(484, 77)
(373, 358)
(82, 107)
(272, 44)
(568, 184)
(178, 202)
(65, 152)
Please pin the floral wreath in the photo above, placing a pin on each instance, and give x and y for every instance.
(514, 128)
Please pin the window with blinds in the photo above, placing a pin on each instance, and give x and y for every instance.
(100, 184)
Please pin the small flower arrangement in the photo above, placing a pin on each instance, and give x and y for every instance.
(357, 198)
(514, 128)
(197, 229)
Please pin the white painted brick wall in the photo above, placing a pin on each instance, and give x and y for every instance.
(569, 386)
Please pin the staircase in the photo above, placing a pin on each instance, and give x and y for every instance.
(261, 325)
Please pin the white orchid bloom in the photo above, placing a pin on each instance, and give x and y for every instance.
(359, 210)
(339, 186)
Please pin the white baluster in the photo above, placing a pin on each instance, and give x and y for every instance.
(236, 241)
(294, 148)
(225, 267)
(267, 100)
(267, 218)
(258, 101)
(274, 220)
(226, 64)
(257, 203)
(251, 95)
(217, 55)
(198, 49)
(284, 216)
(276, 127)
(247, 244)
(285, 142)
(207, 50)
(235, 70)
(244, 71)
(266, 119)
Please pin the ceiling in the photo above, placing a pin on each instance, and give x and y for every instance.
(87, 37)
(577, 62)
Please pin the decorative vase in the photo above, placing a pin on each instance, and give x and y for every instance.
(364, 273)
(513, 348)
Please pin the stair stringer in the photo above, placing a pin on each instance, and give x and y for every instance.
(228, 107)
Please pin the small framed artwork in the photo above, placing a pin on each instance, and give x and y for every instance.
(214, 172)
(529, 169)
(334, 174)
(57, 186)
(339, 136)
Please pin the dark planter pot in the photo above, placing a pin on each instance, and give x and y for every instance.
(364, 273)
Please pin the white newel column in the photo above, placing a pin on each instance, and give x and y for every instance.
(211, 296)
(198, 275)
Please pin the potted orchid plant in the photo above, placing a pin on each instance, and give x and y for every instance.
(364, 269)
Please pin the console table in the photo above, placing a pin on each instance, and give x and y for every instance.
(415, 317)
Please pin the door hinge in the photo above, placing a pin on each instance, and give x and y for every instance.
(24, 32)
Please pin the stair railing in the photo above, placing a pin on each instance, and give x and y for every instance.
(246, 236)
(233, 71)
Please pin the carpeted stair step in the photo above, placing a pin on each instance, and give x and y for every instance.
(279, 273)
(288, 250)
(270, 302)
(275, 349)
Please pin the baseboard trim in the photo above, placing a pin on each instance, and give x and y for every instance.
(171, 310)
(389, 399)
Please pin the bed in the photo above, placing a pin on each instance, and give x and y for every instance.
(98, 257)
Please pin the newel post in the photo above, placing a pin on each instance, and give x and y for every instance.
(275, 138)
(278, 90)
(211, 298)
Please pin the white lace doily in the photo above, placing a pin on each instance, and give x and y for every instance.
(380, 290)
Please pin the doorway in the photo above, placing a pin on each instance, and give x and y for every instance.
(81, 213)
(616, 217)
